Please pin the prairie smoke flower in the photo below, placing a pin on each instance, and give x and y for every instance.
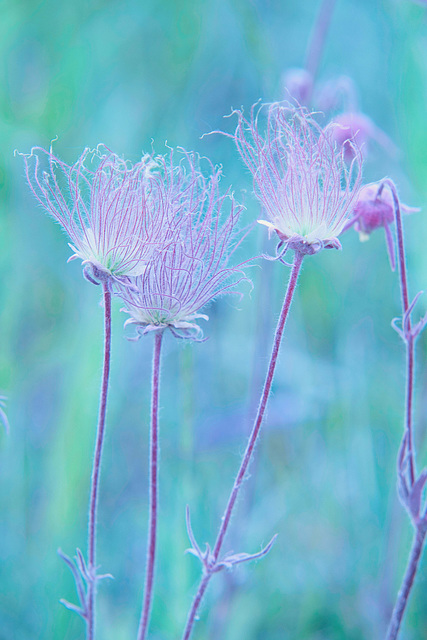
(192, 269)
(300, 177)
(108, 207)
(374, 209)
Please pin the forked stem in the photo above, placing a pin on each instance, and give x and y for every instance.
(96, 468)
(296, 267)
(153, 490)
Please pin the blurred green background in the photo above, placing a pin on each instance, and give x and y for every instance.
(127, 73)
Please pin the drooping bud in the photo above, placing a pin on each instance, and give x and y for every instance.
(374, 209)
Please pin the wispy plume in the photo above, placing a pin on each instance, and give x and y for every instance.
(301, 178)
(108, 207)
(192, 266)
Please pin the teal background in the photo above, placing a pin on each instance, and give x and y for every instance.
(128, 73)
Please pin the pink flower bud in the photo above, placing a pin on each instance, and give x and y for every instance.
(352, 128)
(298, 85)
(374, 209)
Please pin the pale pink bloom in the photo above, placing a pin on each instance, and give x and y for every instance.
(110, 209)
(194, 267)
(300, 176)
(373, 209)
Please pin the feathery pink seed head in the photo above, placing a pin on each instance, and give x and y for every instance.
(300, 176)
(193, 268)
(108, 207)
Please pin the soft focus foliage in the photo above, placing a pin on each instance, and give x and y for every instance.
(126, 73)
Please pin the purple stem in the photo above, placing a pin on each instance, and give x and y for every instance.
(96, 469)
(410, 342)
(408, 581)
(154, 471)
(417, 547)
(250, 446)
(318, 38)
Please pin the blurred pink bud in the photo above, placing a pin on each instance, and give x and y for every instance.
(356, 129)
(350, 128)
(298, 85)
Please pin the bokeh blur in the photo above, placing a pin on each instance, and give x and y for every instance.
(134, 74)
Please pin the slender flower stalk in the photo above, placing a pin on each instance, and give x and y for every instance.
(213, 563)
(307, 191)
(378, 206)
(189, 270)
(96, 469)
(410, 339)
(410, 485)
(112, 213)
(407, 584)
(153, 488)
(299, 83)
(318, 38)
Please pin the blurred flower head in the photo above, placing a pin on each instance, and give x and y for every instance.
(351, 129)
(356, 129)
(194, 267)
(300, 176)
(109, 208)
(297, 85)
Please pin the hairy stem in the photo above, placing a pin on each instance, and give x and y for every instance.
(417, 547)
(153, 498)
(318, 38)
(408, 581)
(96, 468)
(410, 342)
(296, 267)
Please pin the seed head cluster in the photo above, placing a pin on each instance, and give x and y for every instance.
(159, 232)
